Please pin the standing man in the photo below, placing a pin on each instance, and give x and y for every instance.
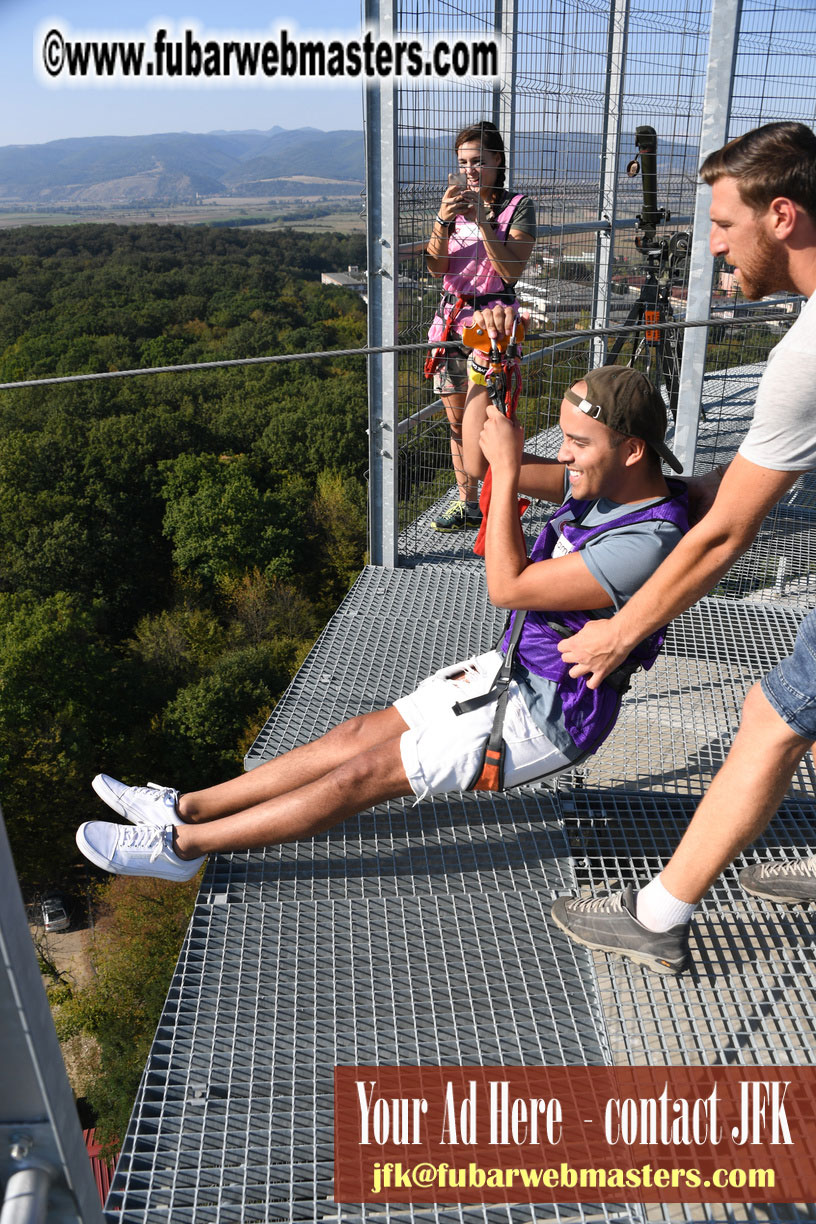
(763, 221)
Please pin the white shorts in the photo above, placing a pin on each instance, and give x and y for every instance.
(441, 751)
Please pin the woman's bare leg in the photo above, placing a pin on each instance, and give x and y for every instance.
(372, 776)
(472, 425)
(455, 409)
(293, 770)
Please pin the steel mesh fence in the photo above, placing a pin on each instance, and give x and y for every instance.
(554, 109)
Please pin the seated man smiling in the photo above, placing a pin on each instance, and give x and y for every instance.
(618, 522)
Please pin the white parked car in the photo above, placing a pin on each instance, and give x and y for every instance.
(55, 915)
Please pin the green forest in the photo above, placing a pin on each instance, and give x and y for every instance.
(170, 544)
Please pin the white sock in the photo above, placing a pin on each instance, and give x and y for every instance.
(658, 910)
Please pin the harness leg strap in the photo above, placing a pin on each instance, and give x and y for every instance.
(490, 774)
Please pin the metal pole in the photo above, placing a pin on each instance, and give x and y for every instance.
(608, 194)
(26, 1197)
(39, 1126)
(382, 241)
(504, 89)
(722, 54)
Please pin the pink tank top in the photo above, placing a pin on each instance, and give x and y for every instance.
(470, 273)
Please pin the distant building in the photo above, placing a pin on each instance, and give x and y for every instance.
(557, 302)
(727, 281)
(352, 279)
(358, 281)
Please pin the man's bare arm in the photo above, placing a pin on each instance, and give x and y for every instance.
(702, 491)
(541, 478)
(745, 496)
(560, 583)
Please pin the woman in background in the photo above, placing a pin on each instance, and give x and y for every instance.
(481, 240)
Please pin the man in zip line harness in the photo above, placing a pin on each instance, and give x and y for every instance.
(763, 222)
(618, 522)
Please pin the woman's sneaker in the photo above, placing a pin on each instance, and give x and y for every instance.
(145, 850)
(150, 805)
(789, 882)
(457, 517)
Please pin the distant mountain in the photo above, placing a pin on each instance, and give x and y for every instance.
(549, 158)
(178, 166)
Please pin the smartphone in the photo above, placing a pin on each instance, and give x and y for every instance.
(457, 180)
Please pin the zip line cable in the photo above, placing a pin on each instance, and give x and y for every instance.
(278, 358)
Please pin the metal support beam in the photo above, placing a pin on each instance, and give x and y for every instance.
(25, 1200)
(608, 194)
(382, 241)
(40, 1135)
(722, 54)
(504, 89)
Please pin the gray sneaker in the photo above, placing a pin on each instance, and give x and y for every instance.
(151, 804)
(608, 924)
(457, 517)
(790, 882)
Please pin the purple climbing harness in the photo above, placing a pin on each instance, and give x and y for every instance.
(589, 714)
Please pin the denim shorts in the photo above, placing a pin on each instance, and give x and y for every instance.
(441, 750)
(791, 686)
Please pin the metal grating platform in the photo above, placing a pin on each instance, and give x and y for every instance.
(420, 933)
(412, 933)
(234, 1119)
(750, 995)
(457, 844)
(678, 719)
(422, 544)
(393, 628)
(780, 565)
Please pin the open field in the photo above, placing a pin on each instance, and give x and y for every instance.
(294, 213)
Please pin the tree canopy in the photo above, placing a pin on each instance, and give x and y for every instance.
(169, 544)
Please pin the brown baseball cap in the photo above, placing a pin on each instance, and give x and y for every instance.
(627, 401)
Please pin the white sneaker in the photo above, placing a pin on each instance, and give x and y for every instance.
(151, 804)
(143, 850)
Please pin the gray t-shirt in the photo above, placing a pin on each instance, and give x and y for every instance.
(621, 561)
(782, 435)
(523, 219)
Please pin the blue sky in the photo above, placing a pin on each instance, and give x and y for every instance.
(32, 113)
